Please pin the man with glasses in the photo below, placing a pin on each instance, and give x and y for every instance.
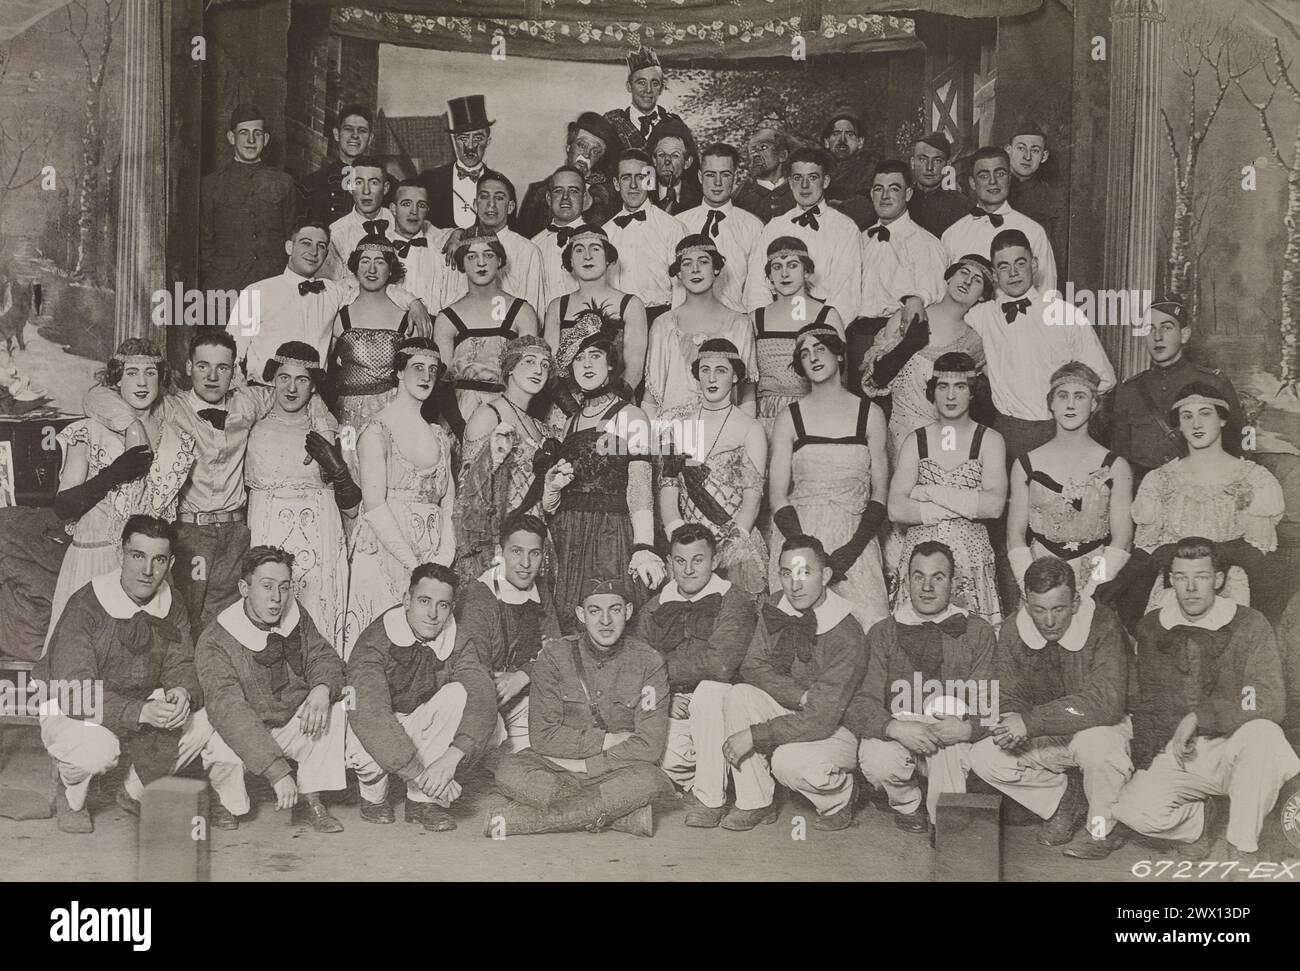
(645, 83)
(590, 144)
(990, 180)
(933, 206)
(454, 186)
(677, 168)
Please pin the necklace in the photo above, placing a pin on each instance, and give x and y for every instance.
(721, 428)
(527, 421)
(600, 404)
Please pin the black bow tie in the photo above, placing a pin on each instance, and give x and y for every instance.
(1014, 308)
(808, 219)
(137, 637)
(994, 218)
(403, 246)
(792, 635)
(627, 219)
(562, 234)
(923, 643)
(711, 222)
(281, 650)
(648, 122)
(311, 286)
(680, 620)
(375, 227)
(466, 175)
(1196, 653)
(879, 232)
(215, 417)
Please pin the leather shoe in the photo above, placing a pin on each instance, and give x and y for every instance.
(128, 802)
(377, 812)
(1088, 848)
(321, 819)
(71, 820)
(433, 817)
(639, 822)
(1064, 823)
(834, 822)
(701, 816)
(915, 822)
(221, 817)
(740, 820)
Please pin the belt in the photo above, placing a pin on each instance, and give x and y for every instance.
(211, 518)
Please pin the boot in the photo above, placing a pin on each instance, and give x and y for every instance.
(639, 822)
(510, 818)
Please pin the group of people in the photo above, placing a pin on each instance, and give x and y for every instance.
(656, 480)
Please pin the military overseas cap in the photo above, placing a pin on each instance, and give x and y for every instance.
(1173, 309)
(937, 140)
(601, 586)
(246, 111)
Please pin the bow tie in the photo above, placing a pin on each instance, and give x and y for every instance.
(1014, 308)
(808, 219)
(628, 218)
(465, 175)
(311, 286)
(375, 227)
(562, 234)
(215, 417)
(137, 635)
(403, 246)
(923, 643)
(792, 636)
(1196, 653)
(994, 218)
(681, 620)
(648, 122)
(712, 221)
(279, 651)
(879, 232)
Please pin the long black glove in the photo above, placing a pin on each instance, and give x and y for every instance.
(889, 364)
(76, 501)
(844, 557)
(334, 470)
(787, 521)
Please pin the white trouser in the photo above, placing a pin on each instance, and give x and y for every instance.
(1034, 775)
(512, 725)
(822, 771)
(320, 760)
(694, 758)
(890, 766)
(1249, 766)
(84, 750)
(431, 728)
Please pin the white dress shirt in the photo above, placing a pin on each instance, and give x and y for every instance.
(738, 232)
(345, 233)
(911, 263)
(427, 274)
(836, 252)
(971, 235)
(463, 193)
(1023, 354)
(522, 276)
(556, 280)
(645, 250)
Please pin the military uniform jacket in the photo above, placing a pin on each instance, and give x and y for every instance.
(247, 212)
(321, 195)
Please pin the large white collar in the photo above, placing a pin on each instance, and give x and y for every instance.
(906, 614)
(505, 591)
(400, 633)
(1216, 618)
(647, 207)
(829, 613)
(670, 593)
(236, 622)
(108, 591)
(1074, 637)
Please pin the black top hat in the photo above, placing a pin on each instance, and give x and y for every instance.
(468, 114)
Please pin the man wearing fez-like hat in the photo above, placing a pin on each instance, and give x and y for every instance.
(453, 187)
(645, 82)
(246, 209)
(593, 765)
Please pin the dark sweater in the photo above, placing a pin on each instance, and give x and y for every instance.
(1191, 669)
(90, 645)
(241, 704)
(830, 675)
(1060, 692)
(936, 210)
(965, 658)
(505, 637)
(701, 641)
(629, 687)
(392, 680)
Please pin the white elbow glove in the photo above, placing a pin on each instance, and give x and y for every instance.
(1020, 558)
(384, 524)
(964, 502)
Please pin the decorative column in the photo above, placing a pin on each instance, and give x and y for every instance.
(142, 185)
(1132, 199)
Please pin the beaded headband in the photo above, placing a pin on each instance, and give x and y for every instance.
(956, 375)
(1075, 377)
(814, 332)
(1199, 399)
(141, 360)
(698, 248)
(975, 264)
(467, 241)
(588, 236)
(782, 254)
(302, 361)
(384, 247)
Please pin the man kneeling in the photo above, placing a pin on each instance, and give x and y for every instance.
(1199, 660)
(425, 707)
(127, 631)
(905, 732)
(272, 685)
(598, 722)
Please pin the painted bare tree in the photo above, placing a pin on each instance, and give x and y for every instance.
(1203, 53)
(21, 147)
(1278, 75)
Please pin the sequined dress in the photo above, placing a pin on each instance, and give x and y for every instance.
(779, 384)
(1070, 520)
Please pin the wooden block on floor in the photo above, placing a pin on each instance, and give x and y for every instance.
(174, 831)
(968, 840)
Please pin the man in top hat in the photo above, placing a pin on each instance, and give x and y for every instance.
(1141, 431)
(934, 205)
(733, 230)
(326, 194)
(645, 236)
(677, 166)
(1199, 658)
(246, 209)
(590, 144)
(598, 723)
(850, 188)
(452, 187)
(766, 193)
(645, 83)
(367, 217)
(567, 195)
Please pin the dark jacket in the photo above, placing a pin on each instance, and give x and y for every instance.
(504, 637)
(701, 641)
(321, 194)
(246, 214)
(936, 210)
(534, 213)
(764, 203)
